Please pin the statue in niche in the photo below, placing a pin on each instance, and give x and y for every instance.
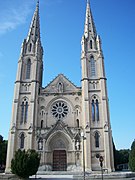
(60, 87)
(40, 144)
(77, 145)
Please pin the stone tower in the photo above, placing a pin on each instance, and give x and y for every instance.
(68, 125)
(27, 86)
(95, 109)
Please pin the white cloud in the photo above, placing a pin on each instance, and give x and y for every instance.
(13, 17)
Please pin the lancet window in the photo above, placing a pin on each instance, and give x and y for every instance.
(28, 69)
(95, 109)
(22, 137)
(30, 47)
(42, 112)
(77, 122)
(42, 124)
(92, 67)
(91, 45)
(24, 111)
(97, 136)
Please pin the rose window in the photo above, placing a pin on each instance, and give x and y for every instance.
(59, 109)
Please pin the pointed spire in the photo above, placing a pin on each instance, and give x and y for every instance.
(34, 31)
(90, 29)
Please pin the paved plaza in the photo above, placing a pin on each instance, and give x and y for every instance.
(53, 177)
(64, 177)
(71, 177)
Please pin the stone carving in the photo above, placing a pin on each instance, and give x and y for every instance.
(77, 145)
(40, 144)
(13, 129)
(59, 144)
(60, 87)
(30, 130)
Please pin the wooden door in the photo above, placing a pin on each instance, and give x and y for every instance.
(59, 160)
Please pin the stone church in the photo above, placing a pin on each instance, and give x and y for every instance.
(68, 125)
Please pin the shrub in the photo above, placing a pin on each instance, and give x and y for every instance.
(25, 163)
(132, 157)
(3, 152)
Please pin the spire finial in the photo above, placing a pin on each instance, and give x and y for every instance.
(34, 31)
(38, 3)
(89, 29)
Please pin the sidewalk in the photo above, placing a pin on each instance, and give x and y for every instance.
(53, 177)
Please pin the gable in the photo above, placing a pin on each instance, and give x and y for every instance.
(61, 85)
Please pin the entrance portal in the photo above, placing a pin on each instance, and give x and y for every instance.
(59, 160)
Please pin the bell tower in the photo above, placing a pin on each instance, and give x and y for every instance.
(95, 108)
(27, 86)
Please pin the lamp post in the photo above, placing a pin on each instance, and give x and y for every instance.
(83, 138)
(101, 159)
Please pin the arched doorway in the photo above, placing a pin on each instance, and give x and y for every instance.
(59, 160)
(59, 145)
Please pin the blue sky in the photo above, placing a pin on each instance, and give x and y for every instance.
(62, 25)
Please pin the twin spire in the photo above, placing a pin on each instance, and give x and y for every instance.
(34, 31)
(89, 29)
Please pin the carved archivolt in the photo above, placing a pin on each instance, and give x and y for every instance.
(59, 140)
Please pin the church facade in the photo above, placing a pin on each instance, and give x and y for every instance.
(68, 125)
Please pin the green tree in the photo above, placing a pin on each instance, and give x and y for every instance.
(1, 138)
(25, 163)
(120, 156)
(132, 157)
(3, 151)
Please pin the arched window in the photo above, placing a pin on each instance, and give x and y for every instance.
(92, 67)
(22, 112)
(91, 44)
(97, 110)
(42, 124)
(77, 122)
(22, 141)
(93, 110)
(77, 111)
(26, 112)
(97, 139)
(30, 47)
(42, 113)
(28, 69)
